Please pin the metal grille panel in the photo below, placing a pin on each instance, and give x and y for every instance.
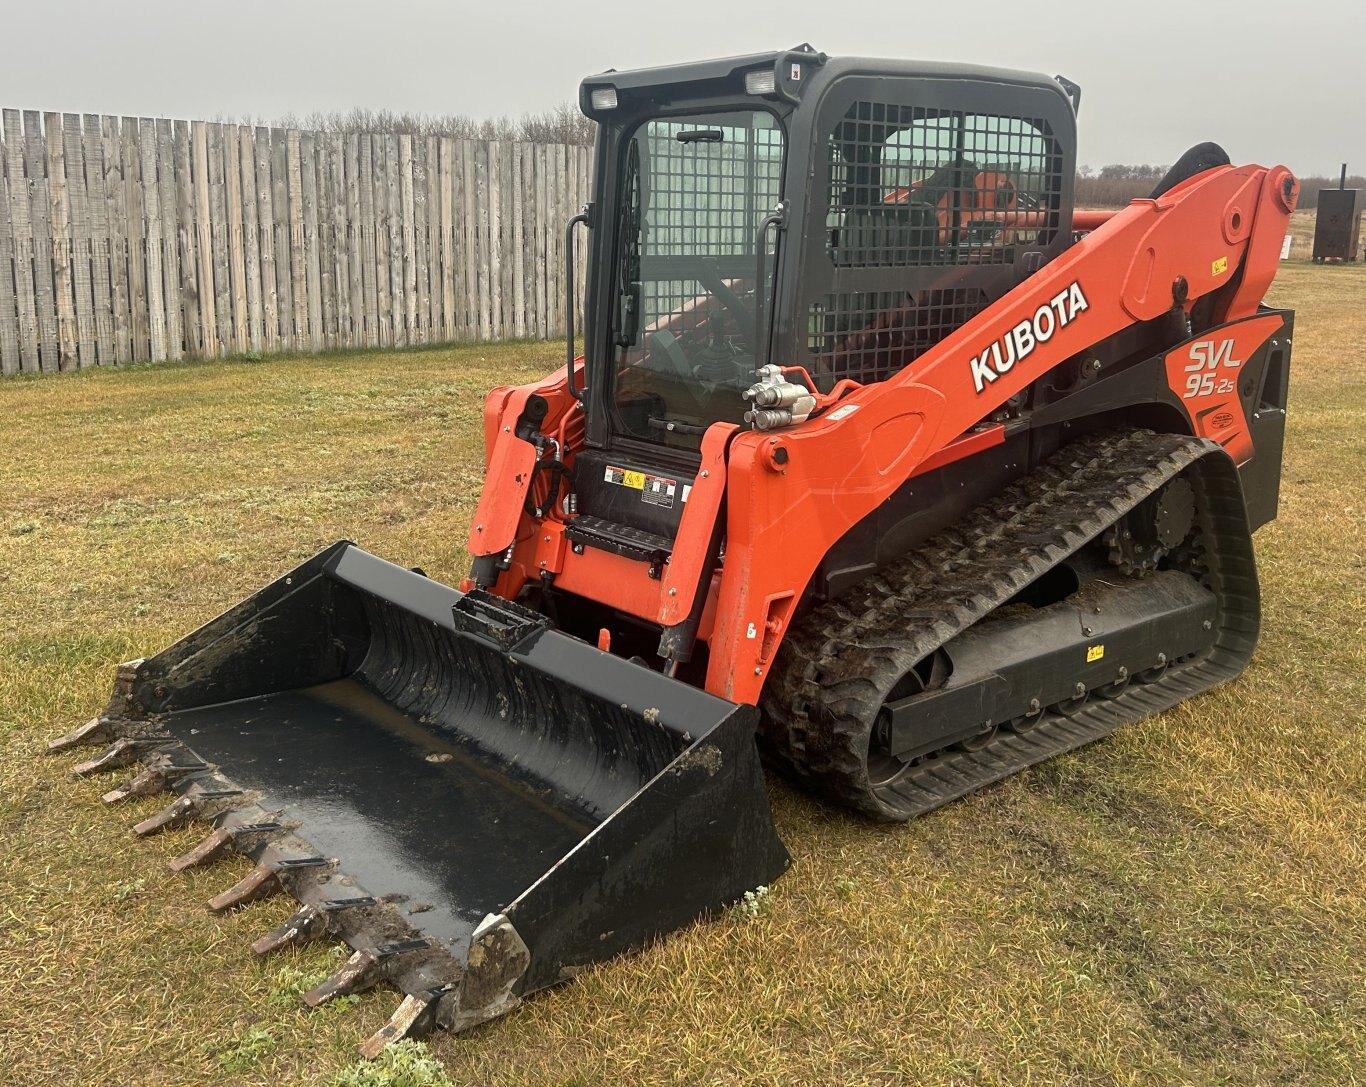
(911, 186)
(870, 336)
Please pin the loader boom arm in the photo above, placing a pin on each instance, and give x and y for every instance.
(1222, 227)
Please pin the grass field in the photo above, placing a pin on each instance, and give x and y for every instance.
(1182, 904)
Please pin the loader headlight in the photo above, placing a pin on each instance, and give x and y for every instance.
(761, 81)
(603, 98)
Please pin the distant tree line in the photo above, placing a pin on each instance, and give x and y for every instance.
(562, 124)
(1109, 186)
(1115, 185)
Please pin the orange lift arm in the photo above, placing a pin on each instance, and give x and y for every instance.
(786, 510)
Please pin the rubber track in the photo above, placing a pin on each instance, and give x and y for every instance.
(839, 663)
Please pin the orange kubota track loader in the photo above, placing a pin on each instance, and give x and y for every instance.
(879, 461)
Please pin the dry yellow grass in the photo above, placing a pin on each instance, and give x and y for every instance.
(1302, 230)
(1181, 904)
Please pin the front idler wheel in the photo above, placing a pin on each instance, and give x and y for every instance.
(884, 768)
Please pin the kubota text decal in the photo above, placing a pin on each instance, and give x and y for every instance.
(1019, 343)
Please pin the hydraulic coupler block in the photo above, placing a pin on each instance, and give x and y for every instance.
(777, 401)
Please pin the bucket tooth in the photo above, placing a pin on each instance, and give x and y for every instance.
(148, 783)
(209, 849)
(162, 772)
(356, 973)
(307, 923)
(94, 731)
(267, 878)
(261, 882)
(122, 752)
(363, 970)
(196, 803)
(415, 1016)
(219, 842)
(183, 810)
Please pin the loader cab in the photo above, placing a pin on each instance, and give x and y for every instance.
(840, 215)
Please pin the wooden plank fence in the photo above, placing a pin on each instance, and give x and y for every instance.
(126, 239)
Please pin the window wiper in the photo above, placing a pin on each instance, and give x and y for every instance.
(701, 135)
(675, 425)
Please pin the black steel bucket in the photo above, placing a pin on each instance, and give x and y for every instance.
(477, 803)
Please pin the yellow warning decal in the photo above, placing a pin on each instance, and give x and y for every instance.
(1094, 653)
(624, 477)
(1219, 267)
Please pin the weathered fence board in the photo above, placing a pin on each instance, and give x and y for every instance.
(170, 238)
(251, 238)
(151, 195)
(237, 254)
(432, 209)
(369, 239)
(102, 306)
(40, 222)
(540, 229)
(265, 207)
(60, 217)
(393, 221)
(188, 238)
(407, 208)
(116, 214)
(79, 204)
(308, 237)
(483, 212)
(298, 280)
(284, 257)
(450, 274)
(9, 319)
(208, 319)
(127, 239)
(218, 211)
(469, 201)
(355, 278)
(134, 208)
(327, 241)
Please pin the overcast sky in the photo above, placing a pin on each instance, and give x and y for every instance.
(1272, 82)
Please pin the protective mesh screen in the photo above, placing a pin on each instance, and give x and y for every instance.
(870, 336)
(911, 190)
(911, 186)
